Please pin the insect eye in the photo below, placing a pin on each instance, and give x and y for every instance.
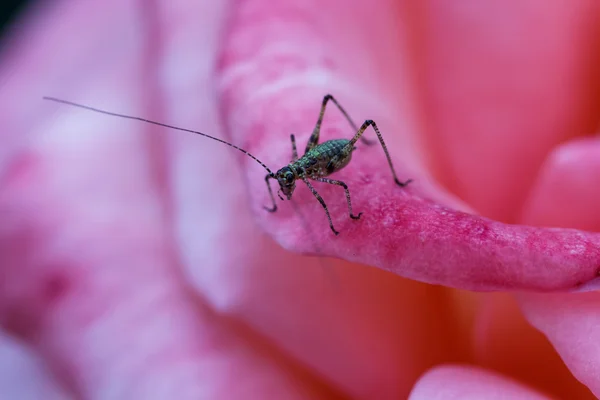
(289, 177)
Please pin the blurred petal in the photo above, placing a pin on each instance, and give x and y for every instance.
(462, 382)
(89, 273)
(506, 343)
(278, 63)
(567, 193)
(572, 324)
(505, 83)
(23, 376)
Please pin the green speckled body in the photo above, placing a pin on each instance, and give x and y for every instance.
(321, 160)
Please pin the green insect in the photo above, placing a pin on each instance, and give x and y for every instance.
(318, 161)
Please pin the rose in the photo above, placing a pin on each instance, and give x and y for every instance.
(133, 265)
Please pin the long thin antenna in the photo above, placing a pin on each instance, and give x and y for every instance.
(156, 123)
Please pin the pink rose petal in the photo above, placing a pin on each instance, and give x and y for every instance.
(505, 342)
(24, 376)
(452, 382)
(277, 66)
(567, 193)
(89, 276)
(572, 324)
(504, 83)
(93, 274)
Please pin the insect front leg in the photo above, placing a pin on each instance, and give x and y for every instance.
(342, 184)
(318, 196)
(294, 150)
(350, 145)
(274, 208)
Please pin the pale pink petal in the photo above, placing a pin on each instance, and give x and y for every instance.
(566, 192)
(454, 382)
(572, 324)
(90, 277)
(278, 63)
(504, 83)
(24, 376)
(505, 342)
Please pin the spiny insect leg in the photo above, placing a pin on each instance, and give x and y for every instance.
(294, 150)
(342, 184)
(274, 208)
(318, 196)
(314, 138)
(362, 129)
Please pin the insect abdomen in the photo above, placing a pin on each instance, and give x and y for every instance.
(317, 161)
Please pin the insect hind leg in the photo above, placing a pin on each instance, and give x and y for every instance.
(314, 137)
(360, 132)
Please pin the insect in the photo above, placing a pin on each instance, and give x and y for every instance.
(318, 161)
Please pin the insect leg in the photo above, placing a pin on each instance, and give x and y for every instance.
(342, 184)
(318, 196)
(294, 150)
(274, 208)
(314, 138)
(350, 145)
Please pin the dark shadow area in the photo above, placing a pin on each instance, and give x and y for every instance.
(9, 11)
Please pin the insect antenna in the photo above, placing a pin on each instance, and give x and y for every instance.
(70, 103)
